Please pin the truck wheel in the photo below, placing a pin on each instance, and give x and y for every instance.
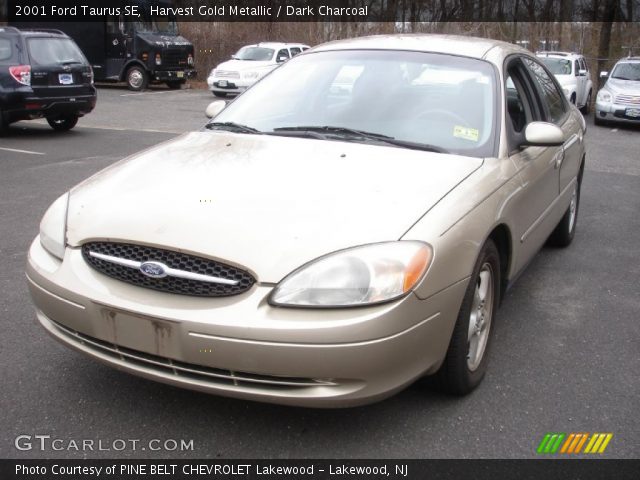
(220, 94)
(175, 85)
(137, 78)
(63, 122)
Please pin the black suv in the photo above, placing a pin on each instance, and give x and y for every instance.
(43, 73)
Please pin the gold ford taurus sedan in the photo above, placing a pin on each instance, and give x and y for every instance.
(344, 228)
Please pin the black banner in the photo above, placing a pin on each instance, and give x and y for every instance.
(323, 10)
(320, 469)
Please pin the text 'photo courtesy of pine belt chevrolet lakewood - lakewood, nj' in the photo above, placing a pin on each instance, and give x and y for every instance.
(352, 243)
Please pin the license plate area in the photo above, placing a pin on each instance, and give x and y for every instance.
(65, 78)
(632, 112)
(222, 83)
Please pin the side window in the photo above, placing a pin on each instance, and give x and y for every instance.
(515, 101)
(282, 53)
(551, 97)
(294, 51)
(583, 64)
(576, 68)
(5, 49)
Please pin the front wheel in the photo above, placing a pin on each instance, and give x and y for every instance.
(63, 122)
(137, 78)
(466, 360)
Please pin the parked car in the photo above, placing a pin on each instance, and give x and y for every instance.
(43, 73)
(348, 245)
(250, 64)
(572, 71)
(619, 99)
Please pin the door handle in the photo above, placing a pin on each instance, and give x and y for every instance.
(558, 158)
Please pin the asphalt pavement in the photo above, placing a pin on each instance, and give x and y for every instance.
(565, 356)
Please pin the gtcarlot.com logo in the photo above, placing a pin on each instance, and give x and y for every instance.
(45, 443)
(574, 443)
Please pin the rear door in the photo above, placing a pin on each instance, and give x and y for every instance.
(58, 67)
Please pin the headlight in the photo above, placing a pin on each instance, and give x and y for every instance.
(54, 225)
(250, 75)
(356, 276)
(604, 96)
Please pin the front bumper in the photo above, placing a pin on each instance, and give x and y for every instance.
(173, 75)
(241, 346)
(615, 112)
(225, 85)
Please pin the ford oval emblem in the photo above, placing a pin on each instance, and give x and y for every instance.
(154, 269)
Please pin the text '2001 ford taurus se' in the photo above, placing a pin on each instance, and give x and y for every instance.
(328, 243)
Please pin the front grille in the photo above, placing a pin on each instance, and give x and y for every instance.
(173, 58)
(188, 370)
(627, 99)
(226, 74)
(176, 260)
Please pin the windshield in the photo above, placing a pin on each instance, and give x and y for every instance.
(52, 51)
(558, 66)
(627, 71)
(162, 25)
(256, 54)
(443, 101)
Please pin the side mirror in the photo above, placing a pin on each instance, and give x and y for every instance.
(604, 74)
(582, 72)
(282, 59)
(543, 134)
(215, 108)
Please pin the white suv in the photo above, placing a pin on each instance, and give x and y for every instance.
(248, 65)
(572, 72)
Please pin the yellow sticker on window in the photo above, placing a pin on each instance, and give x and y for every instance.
(466, 133)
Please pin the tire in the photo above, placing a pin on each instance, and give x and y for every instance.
(466, 360)
(597, 120)
(4, 123)
(137, 78)
(220, 94)
(586, 108)
(573, 98)
(63, 122)
(175, 85)
(563, 234)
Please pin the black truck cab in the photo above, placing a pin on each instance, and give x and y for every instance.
(147, 50)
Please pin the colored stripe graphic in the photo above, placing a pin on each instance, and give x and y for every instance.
(573, 443)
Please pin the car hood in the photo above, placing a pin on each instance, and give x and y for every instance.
(267, 204)
(630, 87)
(241, 65)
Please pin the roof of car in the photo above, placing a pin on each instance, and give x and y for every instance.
(276, 45)
(33, 32)
(474, 47)
(558, 54)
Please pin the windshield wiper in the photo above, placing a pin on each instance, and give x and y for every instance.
(621, 78)
(352, 134)
(232, 126)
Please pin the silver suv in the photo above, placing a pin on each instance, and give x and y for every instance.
(572, 72)
(619, 99)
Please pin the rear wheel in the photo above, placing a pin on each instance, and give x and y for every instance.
(137, 78)
(4, 123)
(63, 123)
(466, 360)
